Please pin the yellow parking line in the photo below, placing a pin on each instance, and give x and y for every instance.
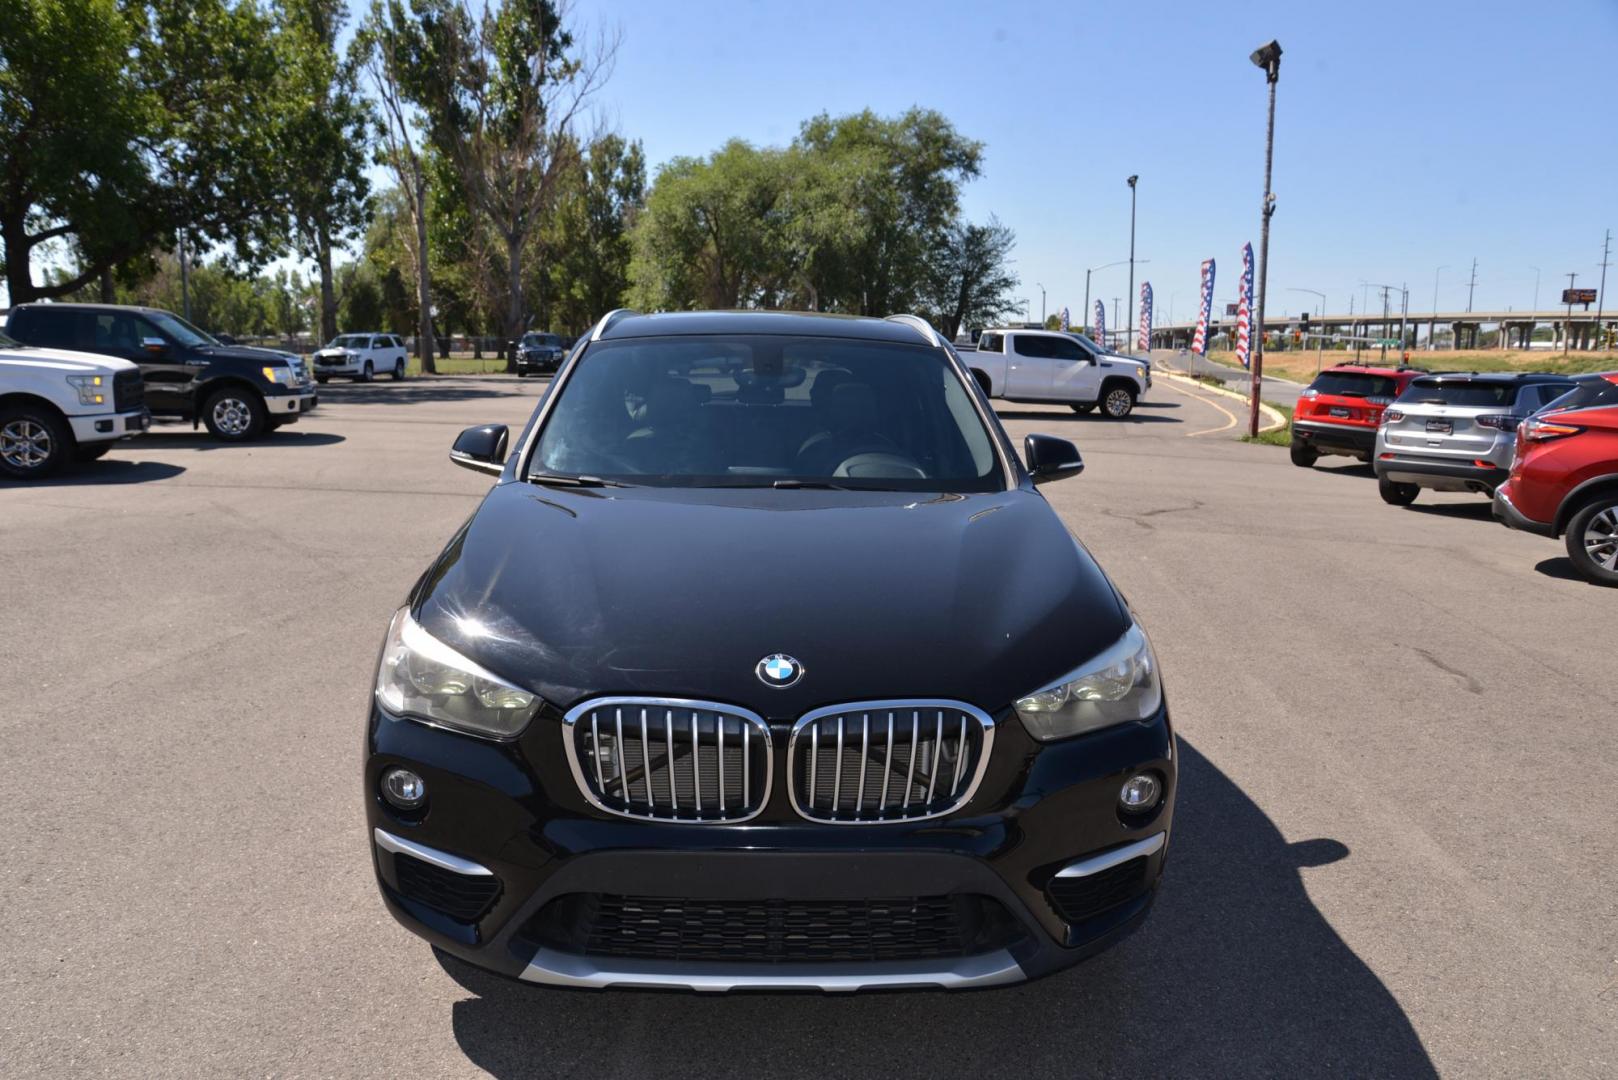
(1230, 417)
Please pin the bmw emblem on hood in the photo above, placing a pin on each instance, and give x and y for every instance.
(779, 670)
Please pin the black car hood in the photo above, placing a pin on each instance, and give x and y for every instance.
(243, 353)
(576, 593)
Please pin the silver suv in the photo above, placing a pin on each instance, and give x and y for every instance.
(1456, 431)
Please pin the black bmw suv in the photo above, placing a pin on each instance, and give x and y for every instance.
(813, 688)
(239, 392)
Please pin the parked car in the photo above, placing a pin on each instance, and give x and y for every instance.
(58, 406)
(539, 353)
(361, 357)
(1564, 478)
(1339, 412)
(1049, 365)
(238, 392)
(817, 691)
(1455, 431)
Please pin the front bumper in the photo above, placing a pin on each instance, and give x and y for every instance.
(512, 819)
(1440, 474)
(1506, 512)
(102, 427)
(293, 402)
(538, 364)
(1335, 438)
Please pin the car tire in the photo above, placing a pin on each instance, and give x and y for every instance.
(1304, 456)
(91, 451)
(34, 442)
(1396, 494)
(1083, 408)
(1117, 402)
(1592, 540)
(321, 379)
(369, 373)
(235, 414)
(398, 371)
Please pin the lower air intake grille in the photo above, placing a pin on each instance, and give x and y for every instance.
(774, 931)
(690, 761)
(1080, 898)
(462, 897)
(881, 761)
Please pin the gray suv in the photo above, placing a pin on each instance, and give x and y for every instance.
(1457, 431)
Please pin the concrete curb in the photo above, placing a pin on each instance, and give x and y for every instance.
(1277, 419)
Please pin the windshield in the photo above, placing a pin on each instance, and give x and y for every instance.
(1354, 384)
(539, 339)
(350, 341)
(758, 411)
(178, 330)
(1461, 393)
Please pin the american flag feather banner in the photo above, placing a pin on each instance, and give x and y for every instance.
(1144, 339)
(1101, 324)
(1199, 344)
(1244, 309)
(1065, 324)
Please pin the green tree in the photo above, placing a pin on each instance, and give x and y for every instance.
(969, 282)
(321, 140)
(589, 234)
(362, 298)
(122, 124)
(502, 92)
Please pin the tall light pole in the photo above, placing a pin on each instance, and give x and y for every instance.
(1041, 304)
(1432, 327)
(1267, 57)
(1601, 291)
(1535, 269)
(1567, 327)
(1471, 285)
(1129, 339)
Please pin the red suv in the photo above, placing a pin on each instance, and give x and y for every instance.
(1564, 477)
(1340, 411)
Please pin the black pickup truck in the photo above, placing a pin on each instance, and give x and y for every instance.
(238, 392)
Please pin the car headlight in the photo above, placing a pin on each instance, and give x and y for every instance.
(422, 678)
(1117, 687)
(92, 388)
(281, 376)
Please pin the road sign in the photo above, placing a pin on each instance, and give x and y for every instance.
(1578, 296)
(1231, 310)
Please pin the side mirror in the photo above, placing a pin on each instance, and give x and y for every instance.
(154, 345)
(481, 449)
(1050, 458)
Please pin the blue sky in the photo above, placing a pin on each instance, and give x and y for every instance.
(1408, 135)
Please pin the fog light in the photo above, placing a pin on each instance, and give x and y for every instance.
(404, 789)
(1139, 793)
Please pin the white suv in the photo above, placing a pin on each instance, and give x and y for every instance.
(58, 406)
(362, 357)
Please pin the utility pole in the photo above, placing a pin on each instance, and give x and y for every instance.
(1385, 289)
(1601, 292)
(1473, 284)
(1267, 57)
(1129, 339)
(185, 280)
(1432, 327)
(1567, 327)
(1041, 304)
(1535, 269)
(1353, 328)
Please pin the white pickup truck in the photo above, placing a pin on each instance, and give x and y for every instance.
(58, 406)
(1049, 365)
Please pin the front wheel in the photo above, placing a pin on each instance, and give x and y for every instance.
(1083, 408)
(33, 442)
(1303, 455)
(398, 371)
(1118, 402)
(1396, 494)
(235, 414)
(369, 373)
(1592, 540)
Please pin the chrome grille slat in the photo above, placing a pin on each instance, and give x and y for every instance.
(696, 770)
(939, 766)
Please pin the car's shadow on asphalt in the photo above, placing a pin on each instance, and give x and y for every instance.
(1561, 568)
(425, 389)
(179, 439)
(1477, 511)
(111, 471)
(1345, 467)
(1234, 973)
(1070, 417)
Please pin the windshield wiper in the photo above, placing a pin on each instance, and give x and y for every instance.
(559, 480)
(819, 485)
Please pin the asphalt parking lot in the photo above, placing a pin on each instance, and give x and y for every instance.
(1394, 848)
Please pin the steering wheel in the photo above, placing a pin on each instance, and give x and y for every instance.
(879, 465)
